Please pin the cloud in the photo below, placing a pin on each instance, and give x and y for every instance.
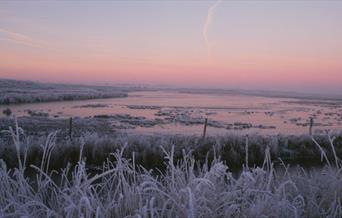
(18, 38)
(207, 23)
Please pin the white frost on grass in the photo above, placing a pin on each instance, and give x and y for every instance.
(16, 91)
(123, 189)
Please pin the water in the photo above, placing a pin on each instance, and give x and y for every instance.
(184, 113)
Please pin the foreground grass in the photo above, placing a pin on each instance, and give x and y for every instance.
(185, 187)
(99, 144)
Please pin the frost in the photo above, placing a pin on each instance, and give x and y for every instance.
(15, 91)
(123, 188)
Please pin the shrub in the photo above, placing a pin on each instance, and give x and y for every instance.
(7, 112)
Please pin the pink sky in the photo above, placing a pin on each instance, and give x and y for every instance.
(253, 45)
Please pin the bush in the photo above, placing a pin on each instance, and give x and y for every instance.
(7, 112)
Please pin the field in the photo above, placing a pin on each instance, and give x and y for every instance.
(145, 154)
(165, 177)
(16, 91)
(171, 111)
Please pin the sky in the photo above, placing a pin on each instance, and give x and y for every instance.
(281, 45)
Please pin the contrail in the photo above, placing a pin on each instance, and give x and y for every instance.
(18, 38)
(207, 23)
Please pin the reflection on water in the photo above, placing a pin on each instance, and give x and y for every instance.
(173, 112)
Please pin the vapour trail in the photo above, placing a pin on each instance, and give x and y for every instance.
(18, 38)
(207, 23)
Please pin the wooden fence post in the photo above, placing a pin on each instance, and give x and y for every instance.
(205, 127)
(70, 128)
(311, 125)
(246, 150)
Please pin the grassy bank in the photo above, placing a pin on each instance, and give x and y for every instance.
(99, 142)
(33, 92)
(184, 188)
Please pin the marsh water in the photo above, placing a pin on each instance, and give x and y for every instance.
(173, 112)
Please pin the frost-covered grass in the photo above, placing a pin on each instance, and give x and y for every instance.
(16, 91)
(184, 188)
(99, 141)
